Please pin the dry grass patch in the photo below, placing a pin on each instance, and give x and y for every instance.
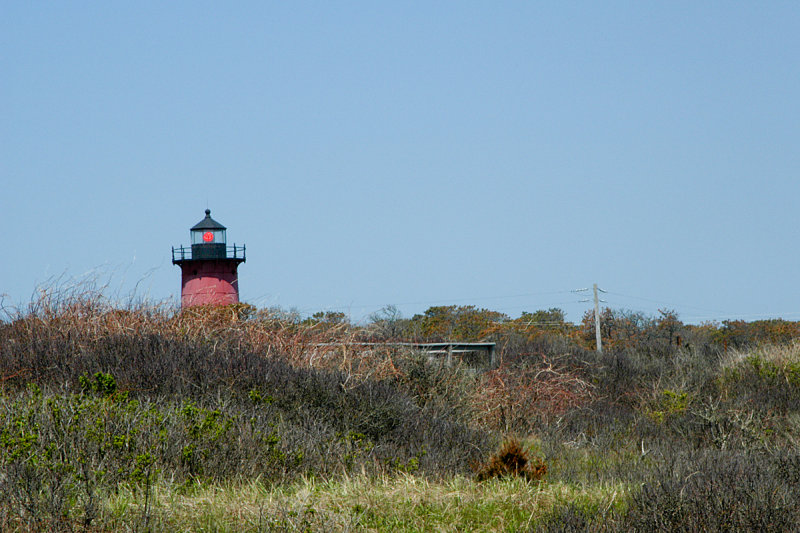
(783, 359)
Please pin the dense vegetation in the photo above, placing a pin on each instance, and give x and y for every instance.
(145, 418)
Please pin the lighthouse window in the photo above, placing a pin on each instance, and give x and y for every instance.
(208, 236)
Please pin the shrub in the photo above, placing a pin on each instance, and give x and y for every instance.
(224, 365)
(720, 491)
(512, 460)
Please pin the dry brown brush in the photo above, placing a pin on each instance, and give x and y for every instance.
(512, 460)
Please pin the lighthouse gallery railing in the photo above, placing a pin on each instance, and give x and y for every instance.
(184, 253)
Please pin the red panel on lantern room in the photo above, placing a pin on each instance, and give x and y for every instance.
(209, 283)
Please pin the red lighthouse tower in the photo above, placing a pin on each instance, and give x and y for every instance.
(208, 268)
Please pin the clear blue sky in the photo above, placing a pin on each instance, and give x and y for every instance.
(498, 154)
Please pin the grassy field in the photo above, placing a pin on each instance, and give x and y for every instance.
(235, 419)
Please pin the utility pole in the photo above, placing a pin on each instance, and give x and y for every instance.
(597, 321)
(597, 301)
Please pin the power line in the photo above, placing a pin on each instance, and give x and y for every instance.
(756, 316)
(719, 315)
(664, 303)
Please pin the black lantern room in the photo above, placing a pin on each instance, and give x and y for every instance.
(208, 242)
(208, 239)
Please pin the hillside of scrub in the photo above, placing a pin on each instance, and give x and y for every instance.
(234, 418)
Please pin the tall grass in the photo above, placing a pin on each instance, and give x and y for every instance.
(361, 503)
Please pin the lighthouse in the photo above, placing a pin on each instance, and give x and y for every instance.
(209, 267)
